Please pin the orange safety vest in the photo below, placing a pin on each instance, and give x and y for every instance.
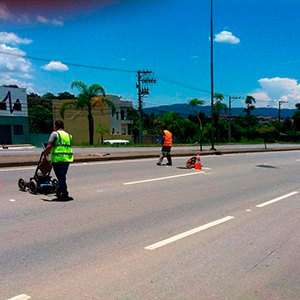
(168, 140)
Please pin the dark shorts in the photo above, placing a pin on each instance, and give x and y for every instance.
(166, 149)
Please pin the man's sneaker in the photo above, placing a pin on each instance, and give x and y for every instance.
(168, 164)
(159, 164)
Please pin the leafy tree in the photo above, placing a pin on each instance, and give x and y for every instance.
(249, 107)
(49, 96)
(133, 116)
(296, 119)
(90, 97)
(298, 106)
(40, 114)
(194, 104)
(173, 121)
(266, 131)
(65, 95)
(102, 130)
(218, 107)
(10, 85)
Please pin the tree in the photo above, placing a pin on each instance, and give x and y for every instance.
(173, 121)
(218, 107)
(40, 114)
(102, 130)
(298, 106)
(65, 95)
(90, 97)
(266, 131)
(249, 107)
(49, 96)
(194, 104)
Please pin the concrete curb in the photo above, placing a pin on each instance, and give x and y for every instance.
(32, 160)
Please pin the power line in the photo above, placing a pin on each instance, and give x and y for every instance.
(67, 63)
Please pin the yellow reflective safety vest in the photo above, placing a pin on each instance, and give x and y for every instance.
(62, 151)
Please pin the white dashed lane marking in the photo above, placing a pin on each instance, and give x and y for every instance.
(188, 233)
(277, 199)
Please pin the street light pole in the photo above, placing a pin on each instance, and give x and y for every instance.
(229, 131)
(212, 75)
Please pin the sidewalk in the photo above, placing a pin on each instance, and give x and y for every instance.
(32, 160)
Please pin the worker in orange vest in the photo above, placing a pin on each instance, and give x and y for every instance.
(167, 142)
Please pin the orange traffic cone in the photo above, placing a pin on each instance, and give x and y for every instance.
(198, 166)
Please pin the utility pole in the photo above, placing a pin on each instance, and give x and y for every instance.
(280, 102)
(144, 79)
(231, 98)
(212, 75)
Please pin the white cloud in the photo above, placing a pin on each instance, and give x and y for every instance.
(44, 20)
(226, 37)
(4, 12)
(55, 66)
(277, 89)
(194, 57)
(57, 22)
(13, 64)
(13, 39)
(26, 76)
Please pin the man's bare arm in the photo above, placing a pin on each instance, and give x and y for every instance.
(48, 150)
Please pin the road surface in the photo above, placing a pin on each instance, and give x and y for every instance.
(139, 231)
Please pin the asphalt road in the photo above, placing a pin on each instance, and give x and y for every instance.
(25, 151)
(139, 231)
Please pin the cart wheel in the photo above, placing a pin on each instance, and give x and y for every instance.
(22, 184)
(191, 162)
(55, 184)
(33, 186)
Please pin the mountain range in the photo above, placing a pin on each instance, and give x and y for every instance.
(184, 110)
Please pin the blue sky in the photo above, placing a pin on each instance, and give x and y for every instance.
(256, 47)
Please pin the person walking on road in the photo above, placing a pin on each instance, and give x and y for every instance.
(59, 145)
(167, 142)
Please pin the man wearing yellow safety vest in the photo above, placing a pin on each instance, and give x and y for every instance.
(167, 143)
(59, 145)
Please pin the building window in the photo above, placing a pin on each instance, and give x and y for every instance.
(113, 131)
(122, 115)
(117, 115)
(123, 131)
(18, 129)
(17, 107)
(2, 106)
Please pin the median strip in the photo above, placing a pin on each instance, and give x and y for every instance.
(188, 233)
(277, 199)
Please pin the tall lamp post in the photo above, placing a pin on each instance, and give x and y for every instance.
(231, 99)
(212, 75)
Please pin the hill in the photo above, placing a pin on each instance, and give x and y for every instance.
(184, 110)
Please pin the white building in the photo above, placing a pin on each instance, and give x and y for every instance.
(119, 122)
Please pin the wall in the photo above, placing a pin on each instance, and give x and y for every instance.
(12, 122)
(76, 122)
(13, 116)
(37, 139)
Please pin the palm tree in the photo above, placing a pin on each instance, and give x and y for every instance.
(90, 97)
(218, 107)
(102, 130)
(194, 103)
(249, 107)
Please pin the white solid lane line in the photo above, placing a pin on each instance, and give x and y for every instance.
(277, 199)
(187, 233)
(20, 297)
(163, 178)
